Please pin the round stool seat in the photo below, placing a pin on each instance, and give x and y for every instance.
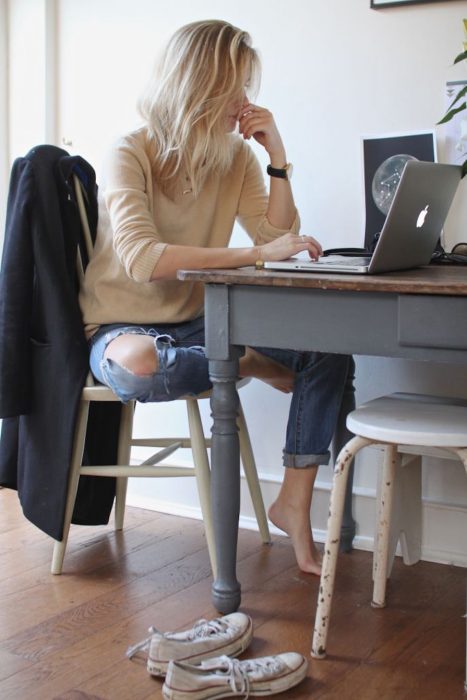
(412, 419)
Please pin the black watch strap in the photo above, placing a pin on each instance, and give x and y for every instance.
(283, 173)
(277, 172)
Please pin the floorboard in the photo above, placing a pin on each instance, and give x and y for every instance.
(64, 637)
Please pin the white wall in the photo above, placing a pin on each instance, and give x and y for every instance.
(332, 71)
(26, 75)
(4, 130)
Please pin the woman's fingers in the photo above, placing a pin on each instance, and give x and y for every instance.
(248, 109)
(253, 124)
(311, 244)
(255, 119)
(258, 122)
(290, 244)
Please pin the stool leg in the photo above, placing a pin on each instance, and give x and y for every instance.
(331, 548)
(251, 474)
(203, 476)
(73, 479)
(341, 437)
(461, 452)
(406, 514)
(123, 457)
(380, 565)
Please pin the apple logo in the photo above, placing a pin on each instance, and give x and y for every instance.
(422, 216)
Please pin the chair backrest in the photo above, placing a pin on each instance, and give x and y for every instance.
(87, 238)
(88, 243)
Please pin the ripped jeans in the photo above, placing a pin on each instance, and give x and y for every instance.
(320, 381)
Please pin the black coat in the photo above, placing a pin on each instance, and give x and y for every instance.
(43, 350)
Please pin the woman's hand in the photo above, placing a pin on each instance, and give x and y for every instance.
(287, 245)
(259, 123)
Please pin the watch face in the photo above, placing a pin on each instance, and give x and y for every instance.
(289, 170)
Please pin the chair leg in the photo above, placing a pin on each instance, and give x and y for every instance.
(203, 476)
(73, 480)
(121, 484)
(123, 457)
(383, 529)
(251, 474)
(331, 549)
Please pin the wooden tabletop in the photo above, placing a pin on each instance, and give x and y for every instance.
(433, 279)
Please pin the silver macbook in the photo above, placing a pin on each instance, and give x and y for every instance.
(411, 229)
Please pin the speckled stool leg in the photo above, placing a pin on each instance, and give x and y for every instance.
(331, 550)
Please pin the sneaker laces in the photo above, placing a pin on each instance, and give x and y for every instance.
(141, 646)
(205, 628)
(239, 670)
(202, 628)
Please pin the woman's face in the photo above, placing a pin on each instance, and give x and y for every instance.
(233, 110)
(238, 101)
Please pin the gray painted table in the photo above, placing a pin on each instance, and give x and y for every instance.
(419, 314)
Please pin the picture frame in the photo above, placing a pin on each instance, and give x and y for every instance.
(381, 4)
(380, 149)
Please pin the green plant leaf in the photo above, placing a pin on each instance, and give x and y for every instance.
(452, 113)
(460, 94)
(461, 57)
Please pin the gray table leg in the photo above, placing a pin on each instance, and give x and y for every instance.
(225, 480)
(341, 436)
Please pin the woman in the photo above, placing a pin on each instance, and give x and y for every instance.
(170, 195)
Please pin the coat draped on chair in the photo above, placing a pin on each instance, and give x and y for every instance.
(44, 358)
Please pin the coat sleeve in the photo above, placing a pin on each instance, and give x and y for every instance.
(16, 287)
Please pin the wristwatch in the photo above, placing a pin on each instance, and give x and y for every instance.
(285, 173)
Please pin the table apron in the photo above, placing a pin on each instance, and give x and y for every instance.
(412, 326)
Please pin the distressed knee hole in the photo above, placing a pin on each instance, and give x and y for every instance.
(136, 354)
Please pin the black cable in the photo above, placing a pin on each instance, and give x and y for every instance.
(440, 257)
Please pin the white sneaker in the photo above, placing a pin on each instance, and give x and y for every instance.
(229, 678)
(229, 635)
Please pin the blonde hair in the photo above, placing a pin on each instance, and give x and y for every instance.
(205, 66)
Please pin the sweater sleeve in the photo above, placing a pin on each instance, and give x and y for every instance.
(253, 205)
(128, 181)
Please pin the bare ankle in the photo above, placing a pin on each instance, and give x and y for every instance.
(299, 530)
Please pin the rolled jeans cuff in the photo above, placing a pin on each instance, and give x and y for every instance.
(304, 461)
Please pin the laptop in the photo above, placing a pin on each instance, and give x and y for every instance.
(411, 230)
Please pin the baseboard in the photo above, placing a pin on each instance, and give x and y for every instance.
(245, 521)
(437, 517)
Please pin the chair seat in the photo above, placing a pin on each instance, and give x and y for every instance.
(412, 419)
(101, 392)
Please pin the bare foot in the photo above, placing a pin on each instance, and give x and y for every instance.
(286, 518)
(253, 364)
(284, 384)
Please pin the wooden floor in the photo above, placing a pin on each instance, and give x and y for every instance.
(64, 637)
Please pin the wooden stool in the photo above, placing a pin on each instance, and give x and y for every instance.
(398, 419)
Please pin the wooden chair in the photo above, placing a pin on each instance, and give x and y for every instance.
(393, 421)
(152, 467)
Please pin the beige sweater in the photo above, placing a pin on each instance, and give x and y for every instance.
(137, 221)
